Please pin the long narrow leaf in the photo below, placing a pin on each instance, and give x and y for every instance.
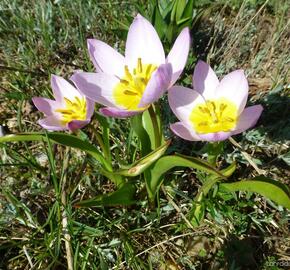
(141, 165)
(271, 189)
(123, 196)
(166, 163)
(60, 138)
(142, 134)
(213, 179)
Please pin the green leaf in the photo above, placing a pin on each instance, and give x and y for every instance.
(228, 171)
(60, 138)
(173, 11)
(159, 23)
(213, 179)
(271, 189)
(170, 32)
(197, 212)
(24, 214)
(141, 165)
(117, 179)
(180, 9)
(165, 7)
(166, 163)
(122, 196)
(104, 123)
(188, 11)
(183, 21)
(136, 124)
(148, 126)
(286, 158)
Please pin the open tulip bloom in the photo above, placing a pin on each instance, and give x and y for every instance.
(70, 110)
(214, 110)
(129, 85)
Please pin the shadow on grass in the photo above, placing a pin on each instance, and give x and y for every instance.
(244, 254)
(275, 117)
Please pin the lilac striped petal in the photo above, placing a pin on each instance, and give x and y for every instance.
(182, 100)
(45, 105)
(215, 137)
(248, 118)
(98, 87)
(105, 58)
(205, 80)
(234, 87)
(184, 132)
(90, 108)
(178, 54)
(118, 113)
(51, 123)
(143, 42)
(157, 85)
(77, 124)
(62, 88)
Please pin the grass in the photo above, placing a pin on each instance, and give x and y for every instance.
(244, 231)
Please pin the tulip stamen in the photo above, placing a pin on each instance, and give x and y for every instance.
(212, 109)
(67, 101)
(124, 81)
(128, 92)
(74, 110)
(204, 110)
(214, 116)
(229, 119)
(148, 70)
(204, 123)
(128, 73)
(139, 65)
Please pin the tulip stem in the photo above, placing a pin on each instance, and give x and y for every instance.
(214, 150)
(156, 129)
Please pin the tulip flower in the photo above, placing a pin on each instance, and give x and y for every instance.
(129, 85)
(214, 110)
(70, 110)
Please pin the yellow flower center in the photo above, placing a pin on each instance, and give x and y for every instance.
(74, 110)
(128, 92)
(214, 116)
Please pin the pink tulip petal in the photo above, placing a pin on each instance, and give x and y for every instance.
(105, 58)
(51, 123)
(184, 132)
(143, 42)
(248, 118)
(90, 108)
(77, 124)
(215, 137)
(98, 87)
(182, 100)
(178, 54)
(118, 113)
(62, 88)
(45, 105)
(234, 87)
(204, 80)
(157, 85)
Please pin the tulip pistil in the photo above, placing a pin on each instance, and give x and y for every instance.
(129, 91)
(74, 110)
(214, 116)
